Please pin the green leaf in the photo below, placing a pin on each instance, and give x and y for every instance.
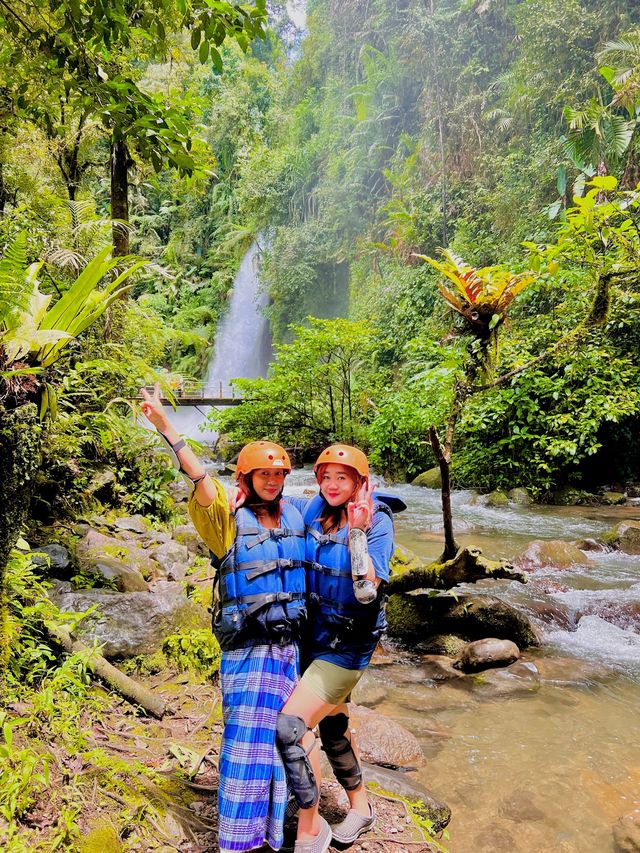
(203, 53)
(604, 182)
(216, 58)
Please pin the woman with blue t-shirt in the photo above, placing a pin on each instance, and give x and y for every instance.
(343, 634)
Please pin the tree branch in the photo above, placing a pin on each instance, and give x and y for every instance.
(468, 566)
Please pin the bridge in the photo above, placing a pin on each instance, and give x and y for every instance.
(189, 392)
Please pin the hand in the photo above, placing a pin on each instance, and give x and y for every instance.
(360, 511)
(152, 408)
(236, 496)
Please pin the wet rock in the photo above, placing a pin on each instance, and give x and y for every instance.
(613, 498)
(520, 497)
(626, 834)
(624, 614)
(402, 786)
(625, 536)
(439, 668)
(633, 491)
(55, 560)
(590, 545)
(431, 479)
(552, 613)
(551, 554)
(492, 838)
(520, 807)
(487, 653)
(133, 623)
(497, 498)
(442, 644)
(382, 740)
(368, 691)
(172, 560)
(126, 579)
(95, 546)
(134, 523)
(570, 671)
(414, 618)
(520, 678)
(186, 534)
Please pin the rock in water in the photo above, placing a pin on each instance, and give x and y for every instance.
(431, 479)
(484, 654)
(133, 623)
(402, 786)
(519, 679)
(415, 618)
(497, 498)
(614, 498)
(382, 740)
(625, 536)
(520, 497)
(551, 554)
(626, 834)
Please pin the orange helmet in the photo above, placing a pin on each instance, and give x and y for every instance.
(262, 454)
(344, 454)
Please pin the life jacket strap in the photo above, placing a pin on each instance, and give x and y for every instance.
(261, 535)
(257, 602)
(327, 570)
(325, 538)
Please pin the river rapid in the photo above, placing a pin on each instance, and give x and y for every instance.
(550, 767)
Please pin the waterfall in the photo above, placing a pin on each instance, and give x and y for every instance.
(243, 341)
(242, 347)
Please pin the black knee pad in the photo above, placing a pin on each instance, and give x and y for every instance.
(289, 733)
(342, 758)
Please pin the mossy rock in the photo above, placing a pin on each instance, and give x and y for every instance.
(520, 497)
(404, 560)
(443, 644)
(571, 496)
(418, 617)
(102, 837)
(625, 536)
(613, 498)
(431, 479)
(497, 498)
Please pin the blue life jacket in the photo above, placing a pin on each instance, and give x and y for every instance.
(261, 582)
(336, 617)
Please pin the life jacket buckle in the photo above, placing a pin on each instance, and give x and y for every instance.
(285, 564)
(277, 532)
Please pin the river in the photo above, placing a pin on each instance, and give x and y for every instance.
(549, 768)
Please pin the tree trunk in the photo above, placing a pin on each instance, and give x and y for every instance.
(468, 566)
(19, 462)
(120, 196)
(442, 458)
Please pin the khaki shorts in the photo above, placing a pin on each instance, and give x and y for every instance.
(332, 683)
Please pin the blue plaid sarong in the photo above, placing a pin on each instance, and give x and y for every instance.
(252, 795)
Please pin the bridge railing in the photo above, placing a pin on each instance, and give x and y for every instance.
(189, 389)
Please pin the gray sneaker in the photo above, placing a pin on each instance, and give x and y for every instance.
(320, 843)
(353, 826)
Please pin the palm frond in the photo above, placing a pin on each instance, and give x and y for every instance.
(14, 289)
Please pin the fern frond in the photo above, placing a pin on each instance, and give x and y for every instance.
(14, 287)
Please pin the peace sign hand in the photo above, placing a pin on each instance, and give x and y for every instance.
(152, 408)
(360, 511)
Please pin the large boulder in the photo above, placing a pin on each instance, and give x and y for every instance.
(551, 554)
(95, 546)
(520, 497)
(125, 578)
(625, 536)
(497, 498)
(54, 558)
(487, 653)
(134, 523)
(383, 741)
(431, 479)
(172, 560)
(614, 498)
(133, 623)
(415, 618)
(186, 534)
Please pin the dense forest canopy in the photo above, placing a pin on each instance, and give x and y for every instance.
(383, 132)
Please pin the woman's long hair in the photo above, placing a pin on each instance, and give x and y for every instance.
(263, 510)
(333, 518)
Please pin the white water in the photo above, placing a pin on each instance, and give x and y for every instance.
(242, 348)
